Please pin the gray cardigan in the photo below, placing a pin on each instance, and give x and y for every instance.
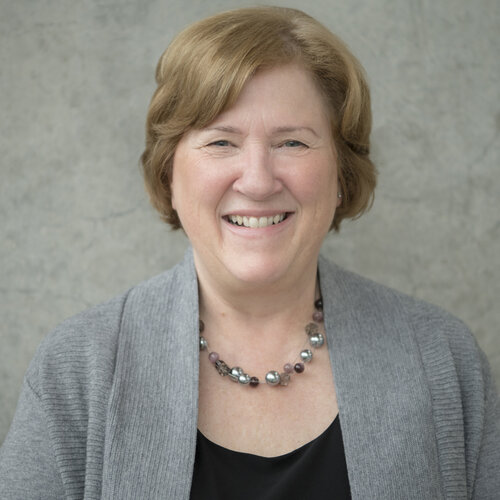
(109, 403)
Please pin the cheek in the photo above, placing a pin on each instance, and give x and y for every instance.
(317, 193)
(317, 185)
(198, 187)
(184, 174)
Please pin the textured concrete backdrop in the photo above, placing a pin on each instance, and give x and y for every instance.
(76, 227)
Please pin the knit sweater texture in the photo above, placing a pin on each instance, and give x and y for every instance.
(109, 404)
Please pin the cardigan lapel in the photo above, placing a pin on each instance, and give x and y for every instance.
(384, 403)
(151, 428)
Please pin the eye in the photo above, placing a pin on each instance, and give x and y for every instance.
(293, 144)
(221, 143)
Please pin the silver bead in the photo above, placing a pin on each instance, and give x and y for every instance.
(235, 373)
(203, 343)
(273, 377)
(244, 379)
(317, 340)
(306, 355)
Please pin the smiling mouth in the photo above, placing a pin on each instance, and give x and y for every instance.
(255, 222)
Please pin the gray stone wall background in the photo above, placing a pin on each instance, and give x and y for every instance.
(76, 227)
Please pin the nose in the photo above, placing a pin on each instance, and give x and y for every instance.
(257, 178)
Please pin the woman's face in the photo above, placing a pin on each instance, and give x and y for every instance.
(256, 190)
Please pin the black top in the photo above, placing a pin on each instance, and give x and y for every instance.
(316, 470)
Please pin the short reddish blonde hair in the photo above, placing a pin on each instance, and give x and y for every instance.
(205, 68)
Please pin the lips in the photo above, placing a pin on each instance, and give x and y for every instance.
(254, 221)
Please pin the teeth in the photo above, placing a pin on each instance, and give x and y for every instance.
(255, 222)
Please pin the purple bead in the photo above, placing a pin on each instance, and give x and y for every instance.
(254, 381)
(318, 316)
(288, 368)
(284, 379)
(222, 368)
(299, 367)
(312, 328)
(213, 357)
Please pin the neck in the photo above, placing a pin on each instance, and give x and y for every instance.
(262, 313)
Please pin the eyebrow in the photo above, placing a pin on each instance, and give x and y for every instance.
(280, 130)
(277, 130)
(223, 128)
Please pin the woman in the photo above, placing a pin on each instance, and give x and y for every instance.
(257, 146)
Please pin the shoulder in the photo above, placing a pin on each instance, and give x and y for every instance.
(434, 329)
(82, 349)
(77, 341)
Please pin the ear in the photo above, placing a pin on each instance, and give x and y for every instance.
(339, 195)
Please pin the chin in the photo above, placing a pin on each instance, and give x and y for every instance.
(259, 272)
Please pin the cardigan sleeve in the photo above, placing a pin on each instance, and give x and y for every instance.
(487, 478)
(28, 467)
(55, 445)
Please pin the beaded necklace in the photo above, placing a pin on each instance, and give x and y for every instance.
(273, 377)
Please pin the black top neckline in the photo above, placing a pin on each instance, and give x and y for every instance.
(316, 470)
(334, 423)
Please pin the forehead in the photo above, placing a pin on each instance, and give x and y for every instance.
(282, 92)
